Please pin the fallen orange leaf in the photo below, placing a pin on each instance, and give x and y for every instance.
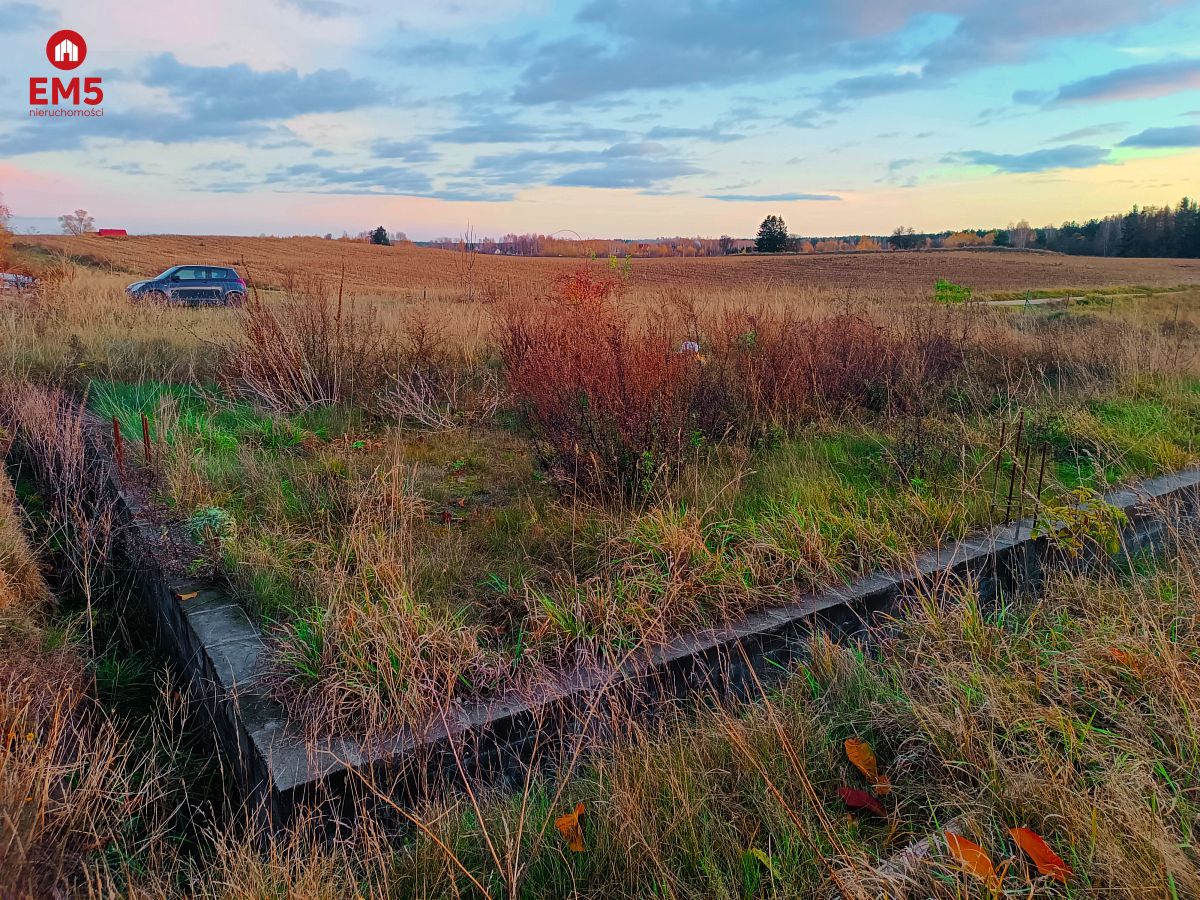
(1048, 862)
(855, 799)
(188, 596)
(1127, 659)
(973, 858)
(571, 829)
(863, 757)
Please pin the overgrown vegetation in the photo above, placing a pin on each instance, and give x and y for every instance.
(1066, 713)
(439, 501)
(98, 778)
(427, 503)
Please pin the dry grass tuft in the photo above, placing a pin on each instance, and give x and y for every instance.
(23, 591)
(374, 653)
(312, 346)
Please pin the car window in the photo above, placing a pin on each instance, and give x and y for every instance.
(184, 273)
(166, 273)
(222, 274)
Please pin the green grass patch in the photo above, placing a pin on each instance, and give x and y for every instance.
(948, 292)
(1093, 294)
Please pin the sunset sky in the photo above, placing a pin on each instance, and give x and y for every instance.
(607, 117)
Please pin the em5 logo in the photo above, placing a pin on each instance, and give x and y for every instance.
(66, 50)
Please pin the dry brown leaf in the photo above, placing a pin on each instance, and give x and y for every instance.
(863, 757)
(1126, 659)
(973, 858)
(1048, 862)
(188, 596)
(571, 829)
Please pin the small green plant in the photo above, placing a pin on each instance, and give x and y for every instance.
(1054, 428)
(622, 268)
(747, 341)
(211, 523)
(649, 469)
(949, 292)
(496, 583)
(563, 615)
(460, 466)
(1081, 518)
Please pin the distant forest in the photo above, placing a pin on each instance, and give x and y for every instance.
(1149, 231)
(1146, 231)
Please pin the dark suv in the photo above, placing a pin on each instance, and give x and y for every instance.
(193, 285)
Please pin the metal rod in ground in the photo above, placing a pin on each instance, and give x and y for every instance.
(119, 446)
(146, 438)
(1012, 472)
(1037, 504)
(1021, 493)
(996, 468)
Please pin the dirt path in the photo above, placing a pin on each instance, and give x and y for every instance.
(1036, 301)
(1048, 301)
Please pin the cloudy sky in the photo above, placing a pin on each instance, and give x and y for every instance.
(607, 117)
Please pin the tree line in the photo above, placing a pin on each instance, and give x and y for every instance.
(1148, 231)
(1162, 231)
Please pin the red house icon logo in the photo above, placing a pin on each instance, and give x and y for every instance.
(66, 49)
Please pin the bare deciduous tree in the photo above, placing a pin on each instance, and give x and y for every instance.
(1020, 235)
(464, 264)
(77, 222)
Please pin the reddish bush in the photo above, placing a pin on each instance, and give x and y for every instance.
(780, 371)
(620, 402)
(608, 399)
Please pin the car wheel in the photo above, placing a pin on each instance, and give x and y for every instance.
(235, 298)
(155, 296)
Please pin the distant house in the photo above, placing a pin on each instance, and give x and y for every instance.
(112, 232)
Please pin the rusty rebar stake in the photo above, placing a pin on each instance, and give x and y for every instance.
(996, 469)
(119, 446)
(1021, 492)
(1012, 472)
(146, 439)
(1037, 506)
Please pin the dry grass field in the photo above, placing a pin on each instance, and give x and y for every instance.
(403, 271)
(426, 499)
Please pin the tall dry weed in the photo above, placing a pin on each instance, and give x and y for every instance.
(314, 345)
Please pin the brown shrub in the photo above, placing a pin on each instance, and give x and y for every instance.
(618, 401)
(437, 387)
(608, 398)
(789, 370)
(54, 429)
(314, 345)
